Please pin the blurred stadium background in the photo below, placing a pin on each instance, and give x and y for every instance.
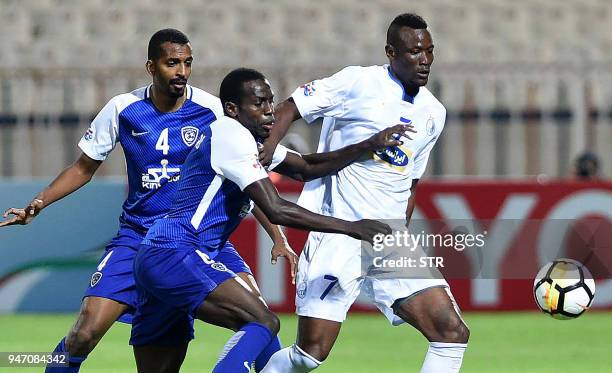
(527, 85)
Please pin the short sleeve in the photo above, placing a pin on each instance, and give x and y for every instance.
(280, 153)
(205, 99)
(234, 153)
(325, 97)
(101, 136)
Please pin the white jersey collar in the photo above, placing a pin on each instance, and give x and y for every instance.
(395, 80)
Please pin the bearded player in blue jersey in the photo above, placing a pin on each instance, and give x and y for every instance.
(177, 270)
(157, 126)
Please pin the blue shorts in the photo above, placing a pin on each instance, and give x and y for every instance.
(230, 257)
(114, 276)
(172, 284)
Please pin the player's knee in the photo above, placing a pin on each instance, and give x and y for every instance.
(269, 320)
(453, 330)
(81, 341)
(464, 333)
(318, 350)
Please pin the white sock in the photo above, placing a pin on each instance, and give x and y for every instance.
(443, 357)
(291, 360)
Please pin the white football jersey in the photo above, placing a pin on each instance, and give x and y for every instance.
(356, 103)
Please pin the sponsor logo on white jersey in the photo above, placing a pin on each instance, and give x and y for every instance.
(394, 156)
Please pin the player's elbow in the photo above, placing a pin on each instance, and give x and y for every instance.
(309, 173)
(299, 176)
(279, 213)
(276, 217)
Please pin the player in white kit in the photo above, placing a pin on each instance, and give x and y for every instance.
(355, 103)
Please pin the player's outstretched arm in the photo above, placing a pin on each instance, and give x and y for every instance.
(69, 180)
(284, 114)
(282, 212)
(313, 166)
(280, 246)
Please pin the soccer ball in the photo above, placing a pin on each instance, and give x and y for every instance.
(564, 289)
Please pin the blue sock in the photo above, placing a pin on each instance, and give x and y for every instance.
(266, 354)
(74, 362)
(242, 348)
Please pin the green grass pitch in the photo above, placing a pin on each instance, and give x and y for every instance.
(500, 342)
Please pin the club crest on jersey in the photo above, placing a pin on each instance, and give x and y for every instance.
(309, 88)
(95, 278)
(301, 290)
(219, 267)
(431, 126)
(189, 135)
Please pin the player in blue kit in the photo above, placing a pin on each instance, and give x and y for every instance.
(176, 270)
(157, 126)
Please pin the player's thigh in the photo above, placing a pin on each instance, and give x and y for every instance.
(329, 277)
(99, 313)
(159, 359)
(248, 281)
(434, 312)
(231, 305)
(387, 293)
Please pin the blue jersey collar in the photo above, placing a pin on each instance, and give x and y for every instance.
(405, 96)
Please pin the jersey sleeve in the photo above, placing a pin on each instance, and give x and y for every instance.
(280, 153)
(101, 136)
(325, 97)
(234, 154)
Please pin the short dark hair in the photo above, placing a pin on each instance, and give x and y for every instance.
(166, 35)
(411, 20)
(231, 86)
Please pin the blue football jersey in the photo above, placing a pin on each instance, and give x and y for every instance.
(155, 144)
(210, 202)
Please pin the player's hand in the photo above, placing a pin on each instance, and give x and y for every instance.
(282, 249)
(22, 216)
(265, 153)
(391, 136)
(366, 229)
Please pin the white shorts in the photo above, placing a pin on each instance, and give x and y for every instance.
(330, 278)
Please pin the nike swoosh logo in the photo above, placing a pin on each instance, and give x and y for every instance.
(136, 134)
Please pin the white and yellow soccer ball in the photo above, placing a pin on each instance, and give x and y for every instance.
(564, 289)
